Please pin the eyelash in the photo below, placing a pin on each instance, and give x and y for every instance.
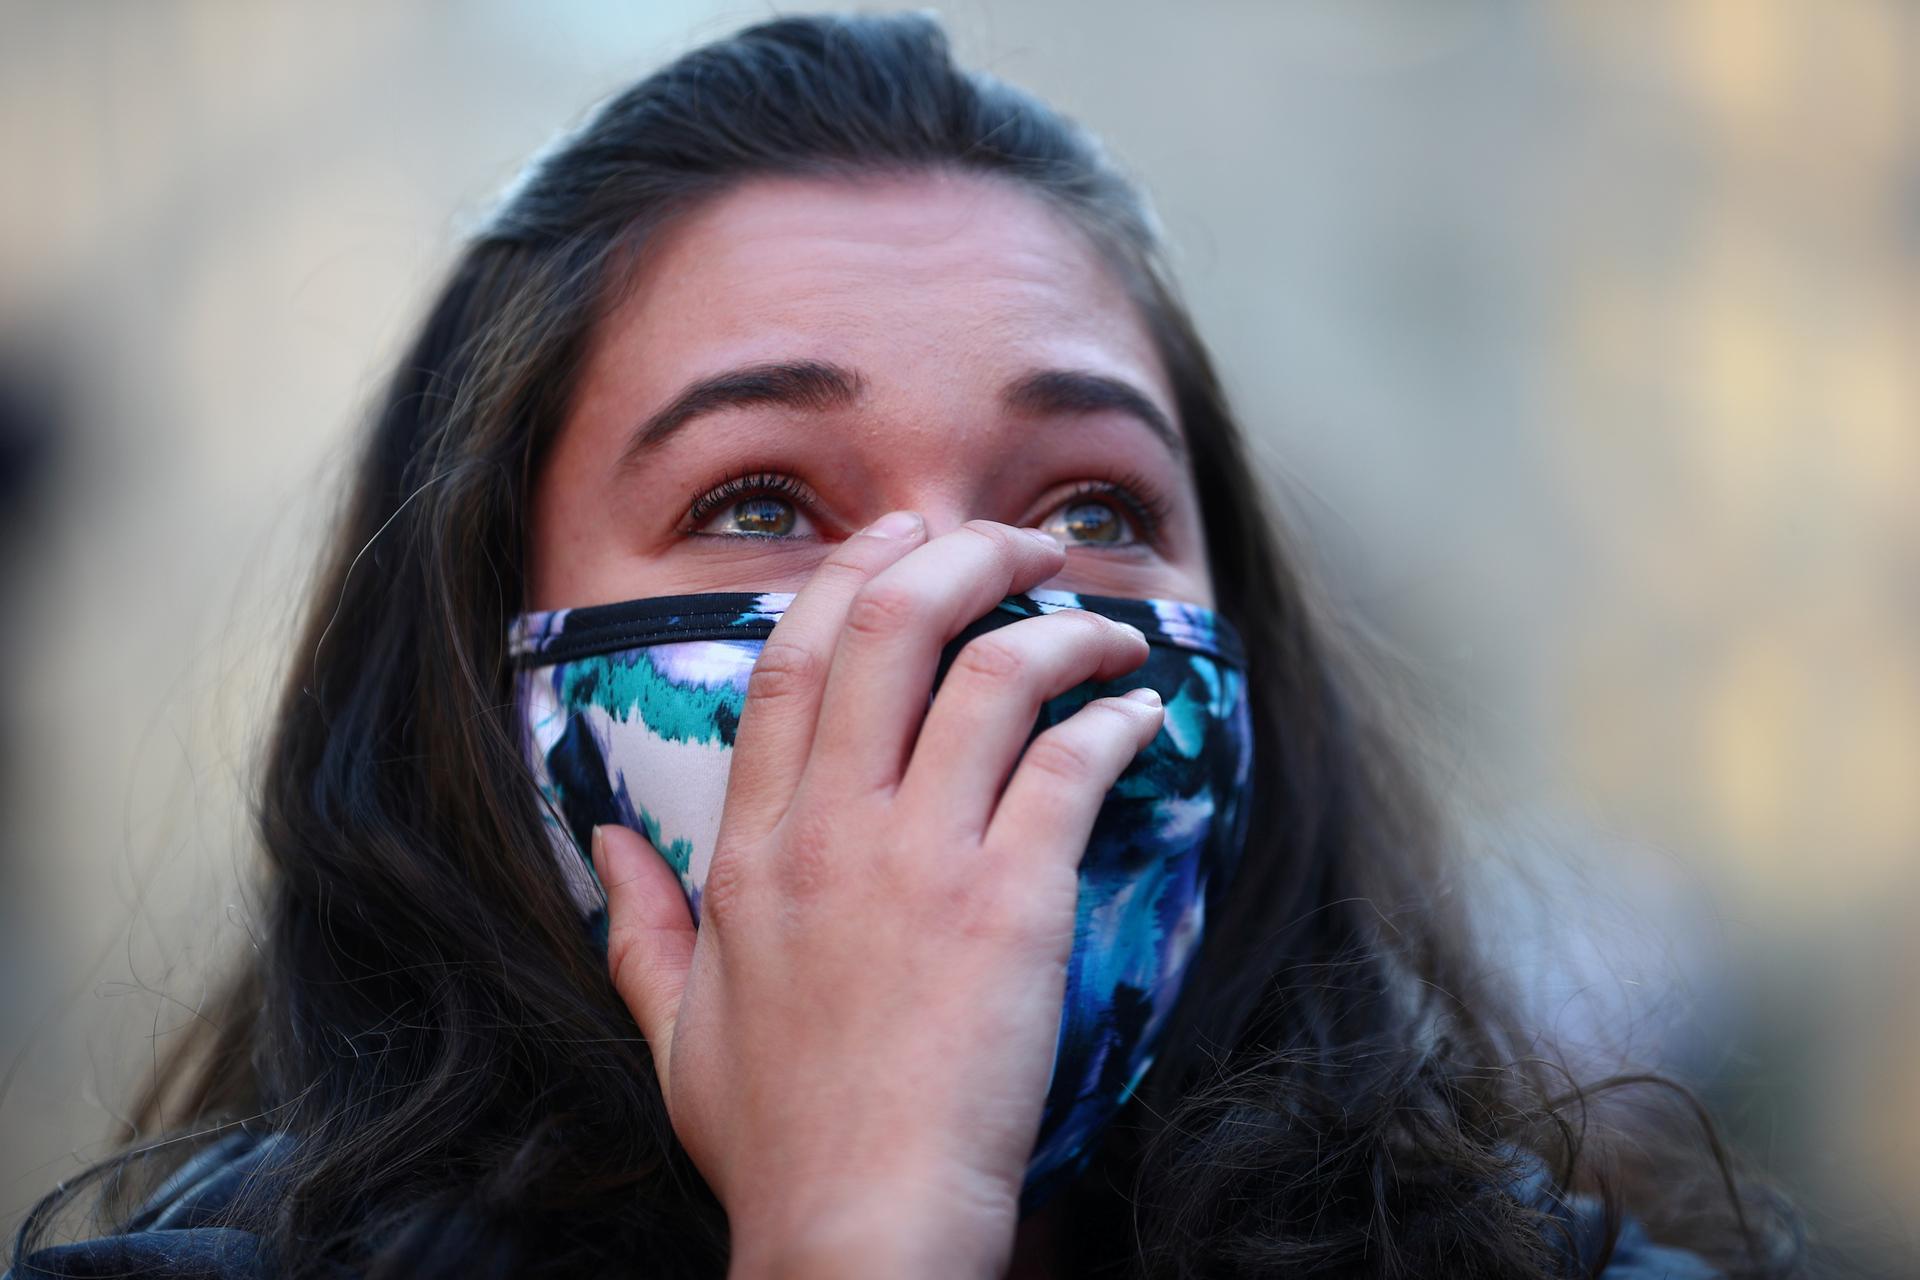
(1145, 504)
(734, 487)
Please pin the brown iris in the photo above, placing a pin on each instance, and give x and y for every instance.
(1094, 522)
(763, 515)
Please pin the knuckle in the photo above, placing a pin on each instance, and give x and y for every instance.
(1000, 910)
(1059, 756)
(949, 895)
(802, 866)
(979, 912)
(782, 670)
(1095, 626)
(631, 976)
(999, 536)
(841, 570)
(991, 657)
(720, 896)
(620, 953)
(882, 610)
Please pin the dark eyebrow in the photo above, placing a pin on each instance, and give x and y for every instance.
(1076, 391)
(818, 385)
(814, 385)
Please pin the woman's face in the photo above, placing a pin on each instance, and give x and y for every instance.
(939, 342)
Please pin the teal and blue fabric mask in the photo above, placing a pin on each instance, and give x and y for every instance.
(629, 712)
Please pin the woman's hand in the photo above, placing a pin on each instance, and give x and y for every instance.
(855, 1046)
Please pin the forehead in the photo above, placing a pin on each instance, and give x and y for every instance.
(918, 280)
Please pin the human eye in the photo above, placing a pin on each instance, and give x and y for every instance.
(765, 504)
(1124, 511)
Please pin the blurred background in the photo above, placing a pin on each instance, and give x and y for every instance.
(1580, 340)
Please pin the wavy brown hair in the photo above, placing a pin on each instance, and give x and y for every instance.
(1342, 1092)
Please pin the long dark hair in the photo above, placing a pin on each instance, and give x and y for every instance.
(1343, 1092)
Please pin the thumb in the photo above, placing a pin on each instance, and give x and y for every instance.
(649, 934)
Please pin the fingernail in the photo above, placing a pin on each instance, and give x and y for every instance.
(894, 524)
(597, 845)
(1041, 535)
(1130, 627)
(1149, 697)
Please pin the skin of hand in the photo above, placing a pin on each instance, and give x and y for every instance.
(855, 1045)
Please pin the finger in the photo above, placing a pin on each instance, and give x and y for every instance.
(983, 713)
(878, 686)
(777, 718)
(650, 934)
(1047, 813)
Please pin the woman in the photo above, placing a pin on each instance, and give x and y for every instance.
(705, 830)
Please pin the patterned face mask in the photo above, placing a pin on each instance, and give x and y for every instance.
(629, 712)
